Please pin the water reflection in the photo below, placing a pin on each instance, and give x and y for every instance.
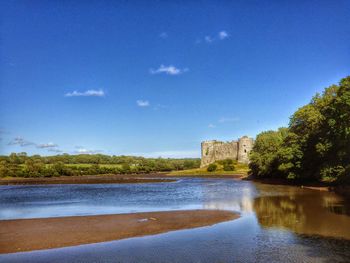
(239, 201)
(271, 215)
(304, 212)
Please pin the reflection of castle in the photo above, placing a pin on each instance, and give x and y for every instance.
(242, 203)
(236, 150)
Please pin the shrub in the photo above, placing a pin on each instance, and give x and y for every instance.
(212, 167)
(229, 167)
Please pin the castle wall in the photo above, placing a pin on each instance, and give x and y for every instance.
(216, 150)
(245, 145)
(207, 153)
(226, 151)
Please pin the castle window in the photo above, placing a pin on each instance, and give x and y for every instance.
(245, 150)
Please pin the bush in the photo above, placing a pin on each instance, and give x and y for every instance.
(229, 167)
(22, 165)
(212, 167)
(126, 168)
(4, 171)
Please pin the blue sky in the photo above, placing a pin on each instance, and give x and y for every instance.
(155, 78)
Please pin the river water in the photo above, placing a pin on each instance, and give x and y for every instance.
(277, 223)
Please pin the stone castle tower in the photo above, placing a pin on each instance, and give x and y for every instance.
(236, 150)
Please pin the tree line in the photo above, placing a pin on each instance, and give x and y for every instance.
(22, 165)
(316, 144)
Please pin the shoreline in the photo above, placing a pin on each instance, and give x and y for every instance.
(19, 235)
(168, 177)
(112, 179)
(219, 176)
(280, 181)
(88, 179)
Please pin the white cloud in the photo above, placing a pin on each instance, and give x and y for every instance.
(225, 119)
(142, 103)
(211, 125)
(47, 145)
(170, 70)
(208, 39)
(82, 150)
(169, 154)
(223, 35)
(163, 35)
(88, 93)
(20, 142)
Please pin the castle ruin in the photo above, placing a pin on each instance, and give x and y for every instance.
(213, 151)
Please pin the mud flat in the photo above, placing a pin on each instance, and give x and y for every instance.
(96, 179)
(45, 233)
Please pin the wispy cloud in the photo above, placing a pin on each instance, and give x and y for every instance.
(211, 125)
(47, 145)
(208, 39)
(223, 35)
(163, 35)
(169, 70)
(142, 103)
(88, 93)
(169, 154)
(228, 119)
(20, 142)
(82, 150)
(51, 147)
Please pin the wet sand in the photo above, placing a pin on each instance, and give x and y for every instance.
(45, 233)
(86, 179)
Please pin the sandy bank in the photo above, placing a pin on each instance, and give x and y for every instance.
(44, 233)
(86, 179)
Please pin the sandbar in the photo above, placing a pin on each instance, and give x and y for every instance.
(45, 233)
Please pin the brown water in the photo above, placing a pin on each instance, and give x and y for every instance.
(309, 212)
(277, 224)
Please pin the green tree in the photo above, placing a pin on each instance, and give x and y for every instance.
(14, 159)
(228, 165)
(58, 168)
(189, 164)
(316, 145)
(264, 155)
(4, 170)
(33, 167)
(126, 168)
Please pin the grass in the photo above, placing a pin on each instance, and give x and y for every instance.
(240, 169)
(87, 165)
